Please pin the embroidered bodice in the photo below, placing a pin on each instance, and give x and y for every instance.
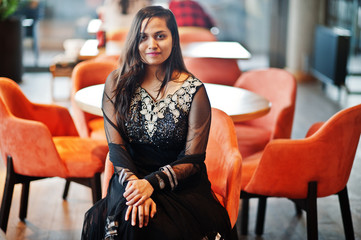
(163, 123)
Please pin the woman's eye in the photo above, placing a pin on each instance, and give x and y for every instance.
(160, 36)
(143, 37)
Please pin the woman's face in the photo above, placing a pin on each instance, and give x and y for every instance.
(156, 41)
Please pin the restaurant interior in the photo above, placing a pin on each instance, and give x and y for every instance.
(310, 51)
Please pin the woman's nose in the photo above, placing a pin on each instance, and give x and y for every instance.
(153, 43)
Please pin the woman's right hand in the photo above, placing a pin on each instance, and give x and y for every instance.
(143, 212)
(137, 191)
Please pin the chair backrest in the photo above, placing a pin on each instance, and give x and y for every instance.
(20, 106)
(223, 162)
(279, 87)
(13, 97)
(27, 141)
(88, 73)
(189, 34)
(326, 156)
(214, 70)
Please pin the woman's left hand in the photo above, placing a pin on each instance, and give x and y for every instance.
(137, 191)
(143, 212)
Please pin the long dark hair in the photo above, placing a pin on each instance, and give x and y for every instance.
(133, 69)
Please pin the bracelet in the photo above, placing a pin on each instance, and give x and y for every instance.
(172, 177)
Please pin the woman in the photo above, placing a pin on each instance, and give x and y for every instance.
(157, 118)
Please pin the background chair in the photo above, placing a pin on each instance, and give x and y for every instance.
(88, 73)
(223, 163)
(279, 87)
(305, 169)
(118, 35)
(40, 141)
(189, 34)
(214, 70)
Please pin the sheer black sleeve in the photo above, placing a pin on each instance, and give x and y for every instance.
(192, 158)
(118, 154)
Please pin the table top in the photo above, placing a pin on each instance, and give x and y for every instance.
(89, 50)
(238, 103)
(216, 49)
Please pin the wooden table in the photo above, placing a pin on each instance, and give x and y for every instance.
(239, 104)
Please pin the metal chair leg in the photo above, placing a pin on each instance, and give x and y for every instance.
(244, 216)
(346, 214)
(66, 189)
(312, 225)
(261, 212)
(8, 194)
(24, 200)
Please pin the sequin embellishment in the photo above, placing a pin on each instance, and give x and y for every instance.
(155, 110)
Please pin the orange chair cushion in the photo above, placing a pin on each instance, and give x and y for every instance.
(251, 139)
(96, 127)
(83, 157)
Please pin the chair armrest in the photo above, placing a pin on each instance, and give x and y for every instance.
(56, 118)
(31, 146)
(314, 128)
(234, 185)
(284, 123)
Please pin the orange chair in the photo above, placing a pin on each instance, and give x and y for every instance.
(279, 87)
(105, 57)
(223, 163)
(40, 141)
(87, 73)
(119, 35)
(306, 169)
(214, 70)
(189, 34)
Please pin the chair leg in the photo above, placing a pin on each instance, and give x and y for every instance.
(8, 194)
(95, 185)
(312, 228)
(24, 200)
(346, 214)
(66, 189)
(261, 212)
(298, 210)
(244, 216)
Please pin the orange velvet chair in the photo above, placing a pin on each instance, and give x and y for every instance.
(40, 141)
(223, 162)
(304, 170)
(87, 73)
(189, 34)
(279, 87)
(214, 70)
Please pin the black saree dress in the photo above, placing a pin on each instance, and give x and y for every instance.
(165, 143)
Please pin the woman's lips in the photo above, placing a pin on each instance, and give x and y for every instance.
(153, 54)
